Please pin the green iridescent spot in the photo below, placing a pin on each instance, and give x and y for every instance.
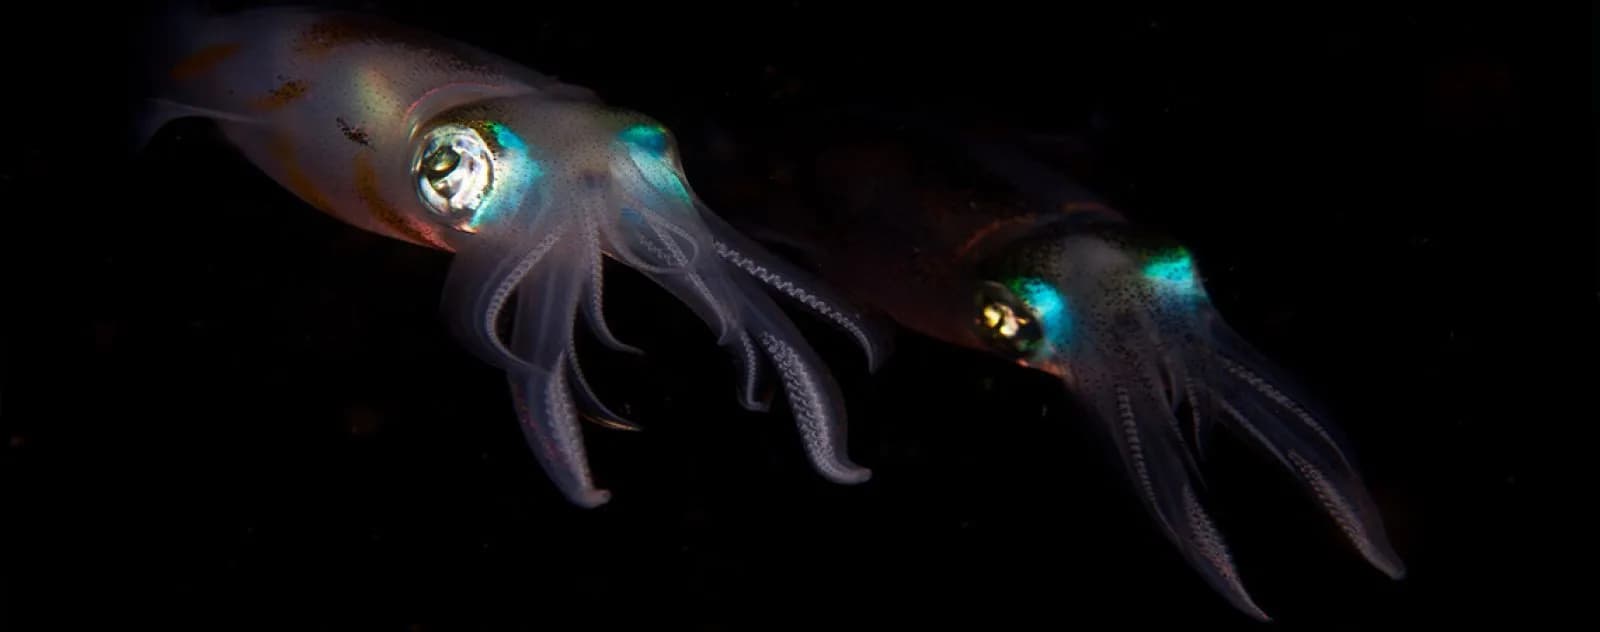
(649, 138)
(516, 167)
(507, 138)
(647, 146)
(1173, 270)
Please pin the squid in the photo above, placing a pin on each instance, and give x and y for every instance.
(529, 181)
(971, 236)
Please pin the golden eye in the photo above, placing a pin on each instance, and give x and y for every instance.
(1004, 322)
(992, 315)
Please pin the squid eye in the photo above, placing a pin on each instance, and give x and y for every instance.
(455, 172)
(1006, 323)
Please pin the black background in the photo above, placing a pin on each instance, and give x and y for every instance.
(221, 406)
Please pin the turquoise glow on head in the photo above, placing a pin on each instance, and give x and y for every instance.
(1173, 270)
(1049, 304)
(516, 172)
(649, 138)
(507, 138)
(647, 146)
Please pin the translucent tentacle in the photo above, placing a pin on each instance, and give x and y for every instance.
(547, 302)
(752, 393)
(752, 321)
(1143, 429)
(700, 285)
(593, 290)
(870, 333)
(813, 395)
(590, 405)
(480, 282)
(1258, 408)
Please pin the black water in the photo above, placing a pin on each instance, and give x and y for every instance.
(222, 406)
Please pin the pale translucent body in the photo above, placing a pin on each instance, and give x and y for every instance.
(335, 106)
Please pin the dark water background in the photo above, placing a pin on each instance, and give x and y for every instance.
(253, 414)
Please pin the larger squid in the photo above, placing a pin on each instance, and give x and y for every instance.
(967, 236)
(528, 180)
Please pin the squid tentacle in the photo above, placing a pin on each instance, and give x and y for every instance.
(624, 239)
(1143, 425)
(810, 396)
(751, 380)
(473, 308)
(593, 303)
(869, 333)
(699, 285)
(756, 323)
(1258, 407)
(590, 404)
(1143, 381)
(547, 302)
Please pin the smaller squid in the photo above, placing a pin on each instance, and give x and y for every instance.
(965, 236)
(529, 181)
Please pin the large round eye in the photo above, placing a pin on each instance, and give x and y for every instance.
(1005, 322)
(455, 172)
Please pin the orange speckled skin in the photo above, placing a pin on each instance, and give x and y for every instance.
(315, 82)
